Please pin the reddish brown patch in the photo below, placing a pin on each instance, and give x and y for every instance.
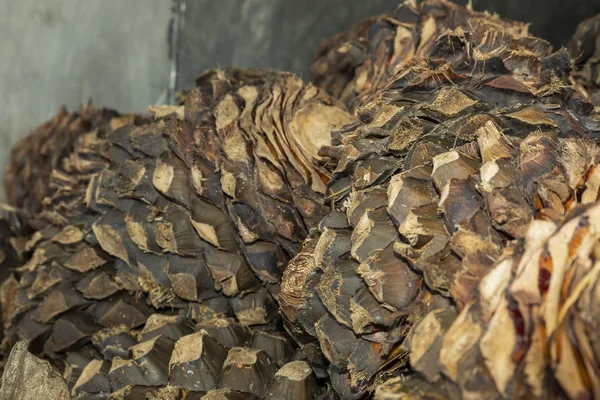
(377, 347)
(546, 267)
(508, 83)
(519, 324)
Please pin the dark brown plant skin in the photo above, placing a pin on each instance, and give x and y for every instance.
(185, 230)
(455, 156)
(13, 230)
(353, 65)
(14, 233)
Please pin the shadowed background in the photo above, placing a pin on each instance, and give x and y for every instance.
(128, 54)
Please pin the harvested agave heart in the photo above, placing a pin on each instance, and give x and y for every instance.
(353, 65)
(532, 328)
(456, 155)
(58, 157)
(194, 216)
(584, 48)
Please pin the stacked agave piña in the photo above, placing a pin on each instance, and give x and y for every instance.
(44, 165)
(532, 328)
(455, 157)
(158, 276)
(355, 64)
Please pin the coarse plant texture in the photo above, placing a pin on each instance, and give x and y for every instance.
(44, 165)
(532, 328)
(28, 377)
(584, 48)
(14, 233)
(455, 157)
(192, 217)
(353, 65)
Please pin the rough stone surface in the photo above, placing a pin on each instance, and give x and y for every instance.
(27, 377)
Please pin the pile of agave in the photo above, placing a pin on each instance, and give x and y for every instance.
(421, 221)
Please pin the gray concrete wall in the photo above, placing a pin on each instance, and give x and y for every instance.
(55, 52)
(280, 34)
